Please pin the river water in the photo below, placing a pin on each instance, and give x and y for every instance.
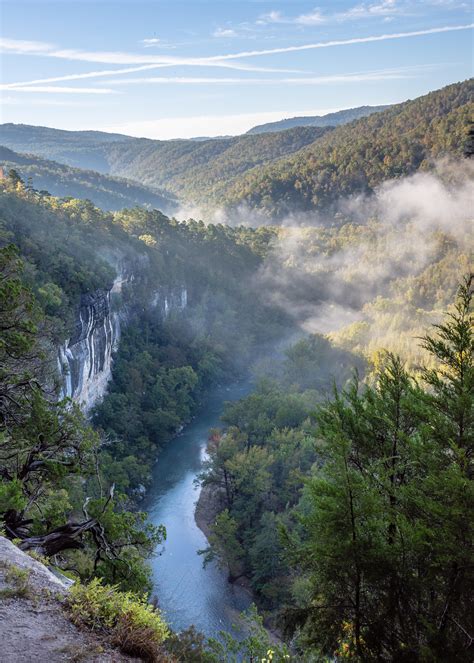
(188, 593)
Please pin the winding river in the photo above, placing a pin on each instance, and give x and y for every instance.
(187, 592)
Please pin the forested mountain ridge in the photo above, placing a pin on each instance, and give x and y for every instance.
(295, 170)
(285, 522)
(356, 157)
(73, 148)
(173, 164)
(328, 120)
(107, 192)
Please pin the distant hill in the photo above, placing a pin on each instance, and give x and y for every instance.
(328, 120)
(279, 172)
(189, 169)
(109, 193)
(74, 148)
(356, 157)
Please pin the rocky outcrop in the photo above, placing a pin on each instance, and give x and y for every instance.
(85, 359)
(33, 624)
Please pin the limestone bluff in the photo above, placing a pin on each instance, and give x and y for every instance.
(85, 359)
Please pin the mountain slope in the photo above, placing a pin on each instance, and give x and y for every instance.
(109, 193)
(328, 120)
(188, 168)
(356, 157)
(295, 170)
(192, 169)
(80, 149)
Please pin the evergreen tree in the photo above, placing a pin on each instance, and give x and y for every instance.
(387, 543)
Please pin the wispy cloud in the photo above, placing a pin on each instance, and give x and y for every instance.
(152, 41)
(130, 70)
(314, 17)
(344, 42)
(354, 77)
(374, 10)
(111, 57)
(224, 32)
(149, 62)
(20, 47)
(51, 89)
(24, 47)
(383, 9)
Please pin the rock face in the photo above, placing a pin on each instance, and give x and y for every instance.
(85, 359)
(34, 628)
(40, 577)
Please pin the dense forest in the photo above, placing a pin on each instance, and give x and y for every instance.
(349, 516)
(278, 173)
(339, 487)
(108, 193)
(328, 120)
(176, 165)
(357, 157)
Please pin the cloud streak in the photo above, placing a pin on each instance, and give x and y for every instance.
(150, 62)
(345, 42)
(109, 57)
(51, 89)
(382, 75)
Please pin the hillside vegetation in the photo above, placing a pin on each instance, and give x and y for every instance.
(355, 158)
(188, 168)
(109, 193)
(296, 170)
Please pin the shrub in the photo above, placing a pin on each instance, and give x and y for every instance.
(131, 622)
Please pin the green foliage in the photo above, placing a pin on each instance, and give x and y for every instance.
(326, 120)
(358, 156)
(133, 623)
(256, 645)
(352, 519)
(385, 538)
(300, 169)
(109, 193)
(17, 581)
(186, 167)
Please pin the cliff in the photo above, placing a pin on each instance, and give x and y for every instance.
(85, 359)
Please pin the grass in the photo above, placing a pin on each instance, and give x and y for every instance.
(19, 581)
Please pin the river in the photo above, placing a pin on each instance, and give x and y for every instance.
(188, 593)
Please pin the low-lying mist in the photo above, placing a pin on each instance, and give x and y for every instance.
(328, 273)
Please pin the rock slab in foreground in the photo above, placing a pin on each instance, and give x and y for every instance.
(34, 627)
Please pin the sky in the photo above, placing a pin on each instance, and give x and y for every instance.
(181, 69)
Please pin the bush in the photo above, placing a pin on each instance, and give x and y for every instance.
(133, 624)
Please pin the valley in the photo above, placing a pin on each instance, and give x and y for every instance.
(300, 348)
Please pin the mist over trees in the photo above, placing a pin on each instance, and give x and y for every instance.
(342, 483)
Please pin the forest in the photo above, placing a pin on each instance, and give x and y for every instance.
(276, 174)
(339, 486)
(108, 193)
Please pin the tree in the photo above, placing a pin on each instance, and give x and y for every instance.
(224, 545)
(49, 458)
(387, 541)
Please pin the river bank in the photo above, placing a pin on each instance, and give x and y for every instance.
(187, 592)
(210, 503)
(208, 506)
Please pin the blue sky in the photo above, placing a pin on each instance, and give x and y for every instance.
(210, 67)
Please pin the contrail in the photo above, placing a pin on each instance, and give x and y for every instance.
(342, 42)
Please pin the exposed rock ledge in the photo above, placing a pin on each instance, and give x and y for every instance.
(33, 626)
(210, 503)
